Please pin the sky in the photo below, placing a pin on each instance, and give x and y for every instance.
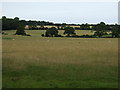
(63, 12)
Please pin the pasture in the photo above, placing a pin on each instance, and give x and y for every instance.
(54, 62)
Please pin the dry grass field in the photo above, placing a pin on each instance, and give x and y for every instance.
(46, 62)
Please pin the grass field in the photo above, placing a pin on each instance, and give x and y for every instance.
(39, 32)
(46, 62)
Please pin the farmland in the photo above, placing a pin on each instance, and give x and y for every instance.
(55, 62)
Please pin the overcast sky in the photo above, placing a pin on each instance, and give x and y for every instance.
(63, 12)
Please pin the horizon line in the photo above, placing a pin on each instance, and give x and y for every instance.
(55, 21)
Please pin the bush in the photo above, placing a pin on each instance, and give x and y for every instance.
(42, 35)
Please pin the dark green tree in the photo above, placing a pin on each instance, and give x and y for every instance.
(99, 33)
(115, 31)
(16, 18)
(69, 31)
(51, 32)
(100, 29)
(63, 25)
(85, 26)
(20, 30)
(9, 24)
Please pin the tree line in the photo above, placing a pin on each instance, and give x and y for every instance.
(11, 24)
(101, 29)
(99, 32)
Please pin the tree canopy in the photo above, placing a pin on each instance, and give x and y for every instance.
(69, 31)
(52, 32)
(20, 30)
(116, 31)
(100, 29)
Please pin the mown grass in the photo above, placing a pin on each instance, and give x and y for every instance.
(41, 62)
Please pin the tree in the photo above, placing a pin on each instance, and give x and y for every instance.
(50, 32)
(3, 17)
(99, 33)
(63, 25)
(116, 31)
(42, 24)
(69, 31)
(9, 24)
(100, 29)
(58, 25)
(85, 26)
(15, 22)
(16, 18)
(20, 30)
